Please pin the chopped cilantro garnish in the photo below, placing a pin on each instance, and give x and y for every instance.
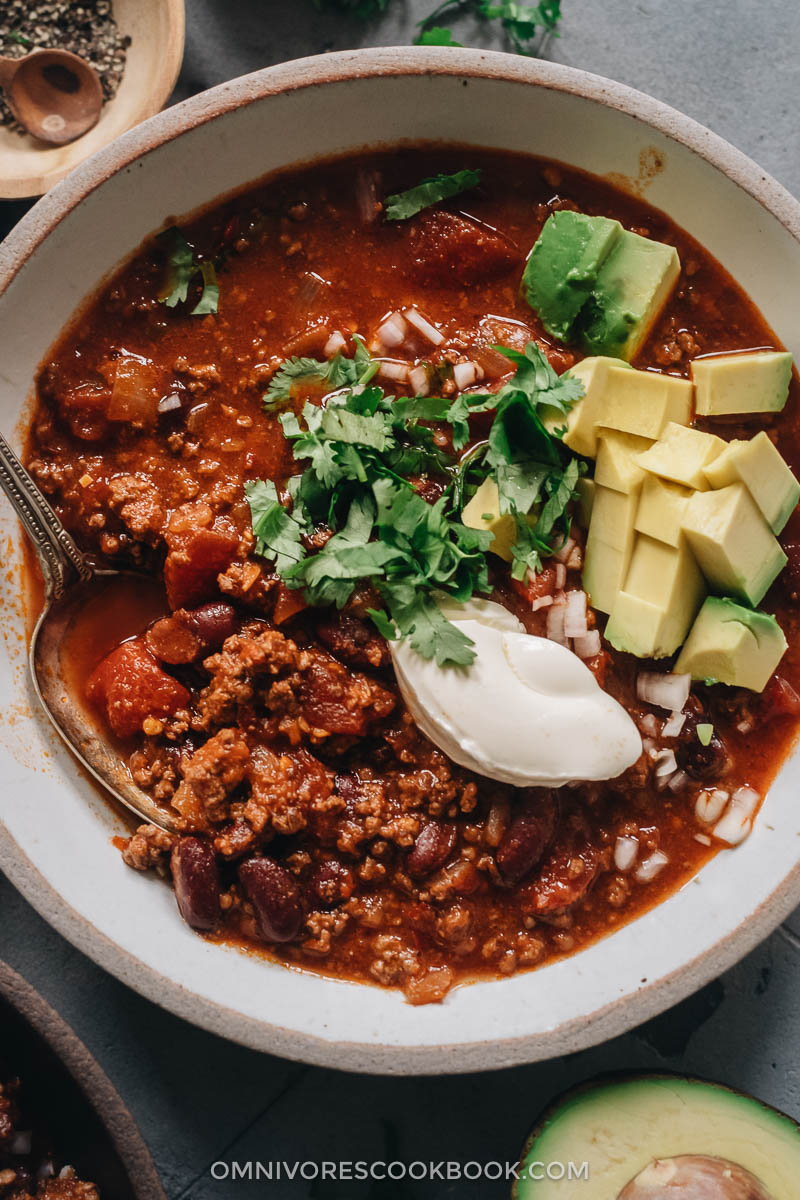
(361, 447)
(705, 734)
(335, 372)
(520, 22)
(403, 205)
(437, 36)
(182, 268)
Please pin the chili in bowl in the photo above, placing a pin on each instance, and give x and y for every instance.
(457, 477)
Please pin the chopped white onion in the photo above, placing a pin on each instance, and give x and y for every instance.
(587, 645)
(648, 723)
(650, 747)
(746, 800)
(664, 691)
(311, 284)
(703, 839)
(541, 602)
(169, 403)
(564, 550)
(336, 342)
(561, 575)
(555, 621)
(673, 724)
(575, 560)
(575, 616)
(737, 821)
(465, 374)
(418, 378)
(678, 781)
(665, 763)
(398, 371)
(650, 867)
(626, 850)
(424, 327)
(367, 196)
(710, 805)
(393, 331)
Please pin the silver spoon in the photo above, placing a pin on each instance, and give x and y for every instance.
(70, 583)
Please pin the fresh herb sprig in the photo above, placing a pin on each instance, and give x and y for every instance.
(362, 446)
(403, 205)
(522, 23)
(183, 267)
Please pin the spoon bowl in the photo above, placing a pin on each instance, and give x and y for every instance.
(54, 94)
(71, 584)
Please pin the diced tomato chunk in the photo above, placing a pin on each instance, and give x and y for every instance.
(289, 603)
(780, 699)
(129, 686)
(196, 557)
(534, 586)
(452, 249)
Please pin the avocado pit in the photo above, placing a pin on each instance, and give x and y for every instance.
(694, 1177)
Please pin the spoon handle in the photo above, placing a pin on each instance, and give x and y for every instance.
(60, 558)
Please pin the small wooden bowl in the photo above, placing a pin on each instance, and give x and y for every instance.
(156, 29)
(69, 1096)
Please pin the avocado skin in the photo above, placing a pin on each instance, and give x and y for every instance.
(527, 1190)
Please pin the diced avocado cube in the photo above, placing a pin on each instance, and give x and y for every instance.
(680, 454)
(750, 382)
(633, 285)
(585, 488)
(734, 546)
(604, 571)
(609, 545)
(613, 515)
(662, 594)
(662, 507)
(563, 266)
(733, 645)
(616, 465)
(616, 396)
(759, 465)
(483, 512)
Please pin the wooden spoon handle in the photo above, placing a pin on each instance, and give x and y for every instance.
(8, 69)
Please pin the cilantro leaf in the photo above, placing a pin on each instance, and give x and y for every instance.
(359, 451)
(278, 534)
(522, 23)
(403, 205)
(335, 372)
(436, 36)
(209, 297)
(182, 267)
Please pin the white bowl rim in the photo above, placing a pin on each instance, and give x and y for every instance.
(578, 1033)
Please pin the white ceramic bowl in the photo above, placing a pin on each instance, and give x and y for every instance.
(55, 834)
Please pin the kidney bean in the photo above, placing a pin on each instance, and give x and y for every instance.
(275, 897)
(522, 846)
(214, 622)
(195, 878)
(331, 883)
(434, 845)
(702, 762)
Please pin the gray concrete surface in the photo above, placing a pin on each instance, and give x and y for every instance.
(198, 1100)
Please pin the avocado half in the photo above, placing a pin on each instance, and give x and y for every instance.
(717, 1144)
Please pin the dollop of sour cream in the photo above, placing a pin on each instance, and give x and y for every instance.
(527, 711)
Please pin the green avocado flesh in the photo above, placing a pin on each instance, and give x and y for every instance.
(592, 281)
(611, 1132)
